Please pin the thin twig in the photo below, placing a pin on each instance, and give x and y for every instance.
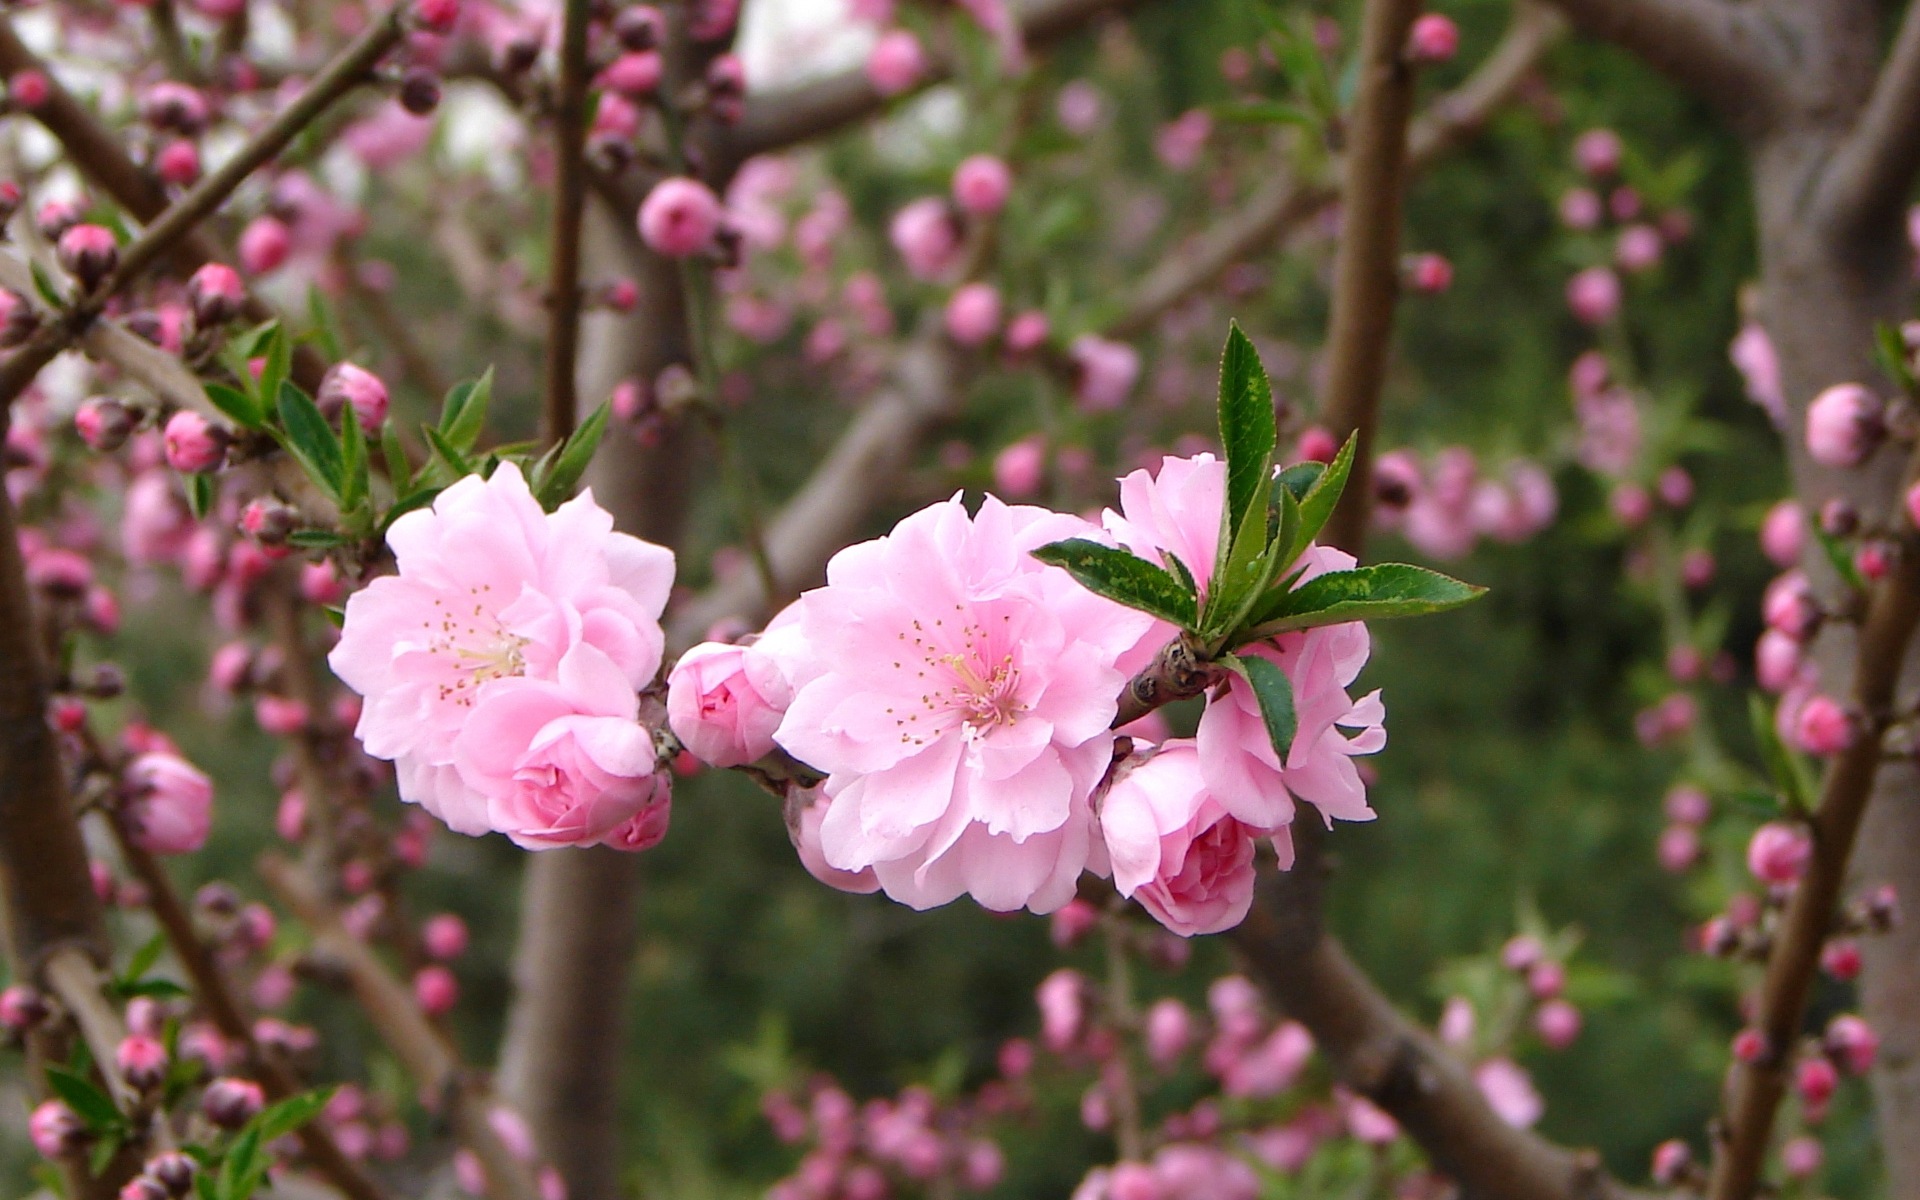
(560, 406)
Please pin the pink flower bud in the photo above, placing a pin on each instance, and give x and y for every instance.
(1638, 248)
(55, 1129)
(1558, 1024)
(1019, 470)
(1815, 1081)
(21, 1008)
(104, 423)
(61, 574)
(1778, 852)
(1593, 295)
(1852, 1044)
(1073, 922)
(28, 89)
(1134, 1181)
(1027, 332)
(1749, 1045)
(1521, 952)
(712, 20)
(1670, 1161)
(1062, 1000)
(1104, 372)
(1783, 534)
(1841, 960)
(1015, 1059)
(169, 804)
(445, 936)
(1845, 424)
(1801, 1157)
(346, 384)
(1678, 848)
(142, 1061)
(88, 253)
(981, 185)
(1686, 804)
(437, 16)
(1788, 605)
(926, 236)
(1170, 1030)
(636, 73)
(193, 443)
(896, 62)
(264, 245)
(321, 584)
(1581, 208)
(639, 27)
(178, 163)
(1433, 39)
(680, 217)
(1429, 274)
(174, 107)
(1776, 661)
(435, 990)
(1822, 726)
(1546, 979)
(973, 314)
(280, 715)
(1598, 153)
(216, 294)
(230, 1102)
(173, 1171)
(724, 702)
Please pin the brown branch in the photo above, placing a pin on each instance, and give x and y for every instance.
(1755, 1089)
(1367, 264)
(217, 999)
(422, 1049)
(1284, 201)
(74, 976)
(1867, 182)
(777, 120)
(563, 289)
(1720, 50)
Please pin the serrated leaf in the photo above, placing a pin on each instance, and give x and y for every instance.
(571, 463)
(354, 467)
(243, 409)
(309, 438)
(1274, 693)
(1316, 507)
(399, 469)
(1299, 478)
(278, 352)
(1247, 432)
(1124, 579)
(1793, 786)
(89, 1103)
(278, 1120)
(464, 414)
(405, 505)
(1363, 594)
(446, 453)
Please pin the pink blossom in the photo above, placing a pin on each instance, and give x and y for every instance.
(194, 444)
(1509, 1091)
(1080, 107)
(805, 832)
(1822, 727)
(958, 693)
(927, 237)
(444, 936)
(169, 804)
(1196, 1171)
(981, 184)
(1802, 1157)
(896, 62)
(1169, 1032)
(1594, 295)
(1779, 852)
(1638, 248)
(1062, 1001)
(1558, 1023)
(1783, 534)
(680, 217)
(1678, 848)
(1173, 510)
(1174, 848)
(1581, 208)
(1180, 141)
(1754, 357)
(1845, 423)
(556, 617)
(1020, 469)
(1104, 372)
(1788, 605)
(55, 1129)
(1271, 1066)
(349, 384)
(1457, 1022)
(973, 314)
(264, 245)
(724, 702)
(1434, 38)
(1852, 1043)
(1028, 331)
(1671, 1158)
(435, 990)
(1598, 152)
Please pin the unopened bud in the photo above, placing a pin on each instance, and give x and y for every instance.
(348, 384)
(89, 253)
(1845, 424)
(230, 1103)
(142, 1061)
(21, 1008)
(419, 91)
(268, 522)
(1839, 518)
(216, 294)
(18, 320)
(194, 444)
(639, 27)
(173, 1171)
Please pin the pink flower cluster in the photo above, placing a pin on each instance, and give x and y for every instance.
(959, 697)
(501, 666)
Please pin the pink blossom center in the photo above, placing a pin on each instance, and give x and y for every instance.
(475, 645)
(983, 687)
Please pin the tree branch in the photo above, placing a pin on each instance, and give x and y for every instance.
(563, 287)
(1872, 171)
(1717, 49)
(423, 1051)
(777, 120)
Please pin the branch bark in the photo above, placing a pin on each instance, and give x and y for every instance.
(1722, 51)
(1873, 169)
(560, 400)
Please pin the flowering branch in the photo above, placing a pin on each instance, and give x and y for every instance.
(1867, 179)
(569, 196)
(1755, 1088)
(422, 1049)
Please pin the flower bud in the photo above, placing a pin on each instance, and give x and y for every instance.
(1072, 922)
(56, 1130)
(268, 522)
(173, 1171)
(1557, 1023)
(896, 62)
(981, 185)
(726, 80)
(973, 314)
(177, 163)
(88, 253)
(1671, 1159)
(28, 89)
(639, 27)
(21, 1008)
(1783, 534)
(1815, 1080)
(1802, 1157)
(1779, 852)
(346, 384)
(634, 74)
(1546, 979)
(1839, 518)
(712, 20)
(142, 1061)
(1521, 952)
(445, 936)
(1845, 424)
(1429, 274)
(1852, 1044)
(174, 107)
(264, 245)
(104, 424)
(1841, 960)
(1598, 153)
(1593, 296)
(437, 16)
(435, 990)
(1822, 726)
(193, 443)
(60, 574)
(230, 1102)
(18, 320)
(419, 91)
(680, 217)
(170, 804)
(1749, 1046)
(1027, 332)
(1433, 39)
(216, 295)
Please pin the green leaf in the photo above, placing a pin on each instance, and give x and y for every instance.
(278, 1120)
(315, 539)
(144, 958)
(236, 404)
(1247, 432)
(354, 472)
(1363, 594)
(1121, 577)
(278, 352)
(243, 1168)
(309, 438)
(102, 1155)
(1316, 507)
(464, 414)
(564, 475)
(399, 469)
(159, 989)
(1274, 692)
(450, 455)
(1299, 478)
(1842, 560)
(200, 495)
(405, 505)
(1793, 785)
(89, 1103)
(1266, 112)
(326, 334)
(43, 283)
